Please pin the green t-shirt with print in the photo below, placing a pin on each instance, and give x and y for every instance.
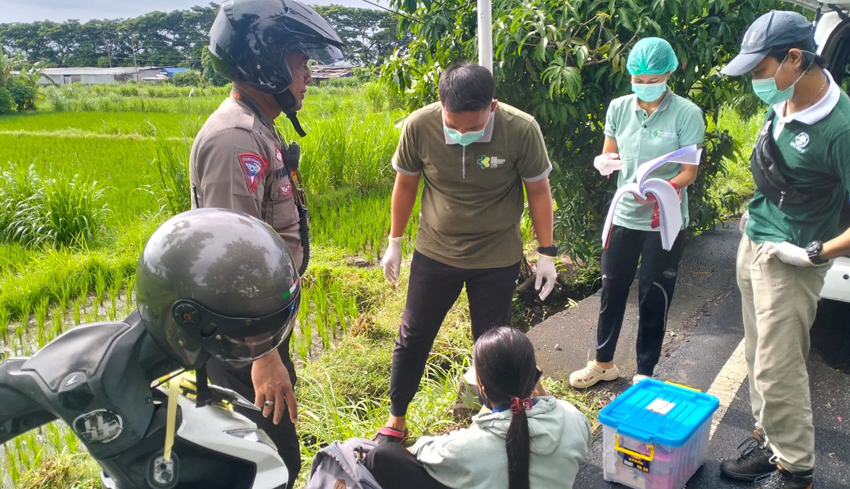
(472, 199)
(677, 122)
(817, 163)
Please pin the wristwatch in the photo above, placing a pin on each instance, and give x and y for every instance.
(814, 249)
(548, 250)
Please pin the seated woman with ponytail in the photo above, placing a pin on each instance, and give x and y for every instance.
(523, 443)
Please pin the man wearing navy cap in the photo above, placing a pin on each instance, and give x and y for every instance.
(801, 166)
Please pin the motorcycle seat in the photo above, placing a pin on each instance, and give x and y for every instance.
(80, 350)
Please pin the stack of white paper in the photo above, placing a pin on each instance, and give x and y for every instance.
(669, 211)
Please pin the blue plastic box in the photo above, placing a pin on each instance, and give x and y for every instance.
(655, 435)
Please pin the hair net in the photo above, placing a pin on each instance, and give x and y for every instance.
(652, 56)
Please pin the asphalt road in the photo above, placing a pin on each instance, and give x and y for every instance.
(704, 330)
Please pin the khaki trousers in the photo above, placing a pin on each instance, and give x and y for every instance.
(779, 307)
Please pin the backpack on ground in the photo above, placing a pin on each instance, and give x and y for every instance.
(343, 466)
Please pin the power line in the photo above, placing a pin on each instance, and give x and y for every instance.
(414, 19)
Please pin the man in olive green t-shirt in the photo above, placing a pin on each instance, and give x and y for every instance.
(475, 155)
(789, 238)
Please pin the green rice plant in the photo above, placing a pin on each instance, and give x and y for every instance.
(41, 320)
(4, 324)
(13, 258)
(113, 291)
(23, 454)
(58, 322)
(304, 340)
(321, 311)
(102, 278)
(24, 306)
(78, 309)
(342, 306)
(367, 232)
(129, 287)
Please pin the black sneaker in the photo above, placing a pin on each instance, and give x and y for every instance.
(753, 461)
(782, 479)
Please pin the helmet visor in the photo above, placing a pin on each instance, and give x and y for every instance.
(244, 345)
(325, 54)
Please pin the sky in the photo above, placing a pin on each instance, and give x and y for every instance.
(84, 10)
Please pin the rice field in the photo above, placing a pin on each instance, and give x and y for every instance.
(115, 138)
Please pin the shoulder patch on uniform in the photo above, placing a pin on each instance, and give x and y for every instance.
(254, 167)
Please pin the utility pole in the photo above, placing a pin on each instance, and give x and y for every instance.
(485, 34)
(136, 66)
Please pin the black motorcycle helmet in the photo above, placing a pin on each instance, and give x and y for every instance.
(249, 39)
(215, 282)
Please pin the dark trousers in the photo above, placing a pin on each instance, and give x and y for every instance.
(283, 435)
(433, 289)
(658, 271)
(396, 468)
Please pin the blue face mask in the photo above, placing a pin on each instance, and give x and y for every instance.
(649, 92)
(464, 138)
(765, 88)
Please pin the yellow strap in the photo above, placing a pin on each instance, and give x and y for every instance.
(171, 417)
(633, 453)
(682, 386)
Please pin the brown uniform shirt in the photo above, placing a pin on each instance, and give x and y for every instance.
(473, 197)
(237, 163)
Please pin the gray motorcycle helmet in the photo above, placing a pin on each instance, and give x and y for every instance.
(214, 282)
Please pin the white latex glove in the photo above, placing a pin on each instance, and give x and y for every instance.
(788, 253)
(607, 163)
(392, 260)
(545, 271)
(742, 224)
(641, 201)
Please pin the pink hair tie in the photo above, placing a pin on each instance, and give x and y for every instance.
(519, 405)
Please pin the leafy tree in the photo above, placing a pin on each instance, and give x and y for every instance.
(23, 94)
(5, 101)
(180, 37)
(564, 62)
(190, 78)
(370, 35)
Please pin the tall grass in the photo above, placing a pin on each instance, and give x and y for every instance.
(59, 211)
(172, 188)
(345, 147)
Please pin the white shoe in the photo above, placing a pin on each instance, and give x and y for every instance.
(637, 378)
(593, 373)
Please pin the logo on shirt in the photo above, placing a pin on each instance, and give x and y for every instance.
(277, 154)
(663, 134)
(800, 142)
(286, 189)
(493, 162)
(254, 167)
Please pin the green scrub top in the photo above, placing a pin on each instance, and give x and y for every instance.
(677, 122)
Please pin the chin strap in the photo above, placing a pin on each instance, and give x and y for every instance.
(287, 101)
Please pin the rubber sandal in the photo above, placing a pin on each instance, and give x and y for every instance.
(391, 435)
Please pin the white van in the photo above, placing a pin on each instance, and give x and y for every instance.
(832, 35)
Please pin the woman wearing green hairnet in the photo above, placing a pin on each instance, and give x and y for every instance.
(641, 126)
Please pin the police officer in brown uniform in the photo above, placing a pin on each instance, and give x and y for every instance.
(239, 161)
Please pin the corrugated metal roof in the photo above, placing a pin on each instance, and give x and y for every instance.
(123, 70)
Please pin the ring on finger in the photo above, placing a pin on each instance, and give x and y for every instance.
(268, 403)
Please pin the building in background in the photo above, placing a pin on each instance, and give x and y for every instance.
(94, 76)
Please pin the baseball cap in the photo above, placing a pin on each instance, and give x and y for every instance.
(775, 29)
